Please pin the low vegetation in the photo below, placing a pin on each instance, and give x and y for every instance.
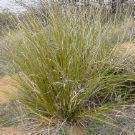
(71, 68)
(67, 70)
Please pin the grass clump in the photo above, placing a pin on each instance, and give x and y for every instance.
(65, 69)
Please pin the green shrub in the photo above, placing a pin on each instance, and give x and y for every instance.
(65, 68)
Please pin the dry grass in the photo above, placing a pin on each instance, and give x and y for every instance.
(10, 131)
(126, 49)
(56, 69)
(124, 56)
(7, 89)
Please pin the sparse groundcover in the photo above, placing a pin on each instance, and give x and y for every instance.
(67, 71)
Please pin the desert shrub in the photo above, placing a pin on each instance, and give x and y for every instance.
(66, 73)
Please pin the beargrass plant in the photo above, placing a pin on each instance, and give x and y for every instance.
(66, 73)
